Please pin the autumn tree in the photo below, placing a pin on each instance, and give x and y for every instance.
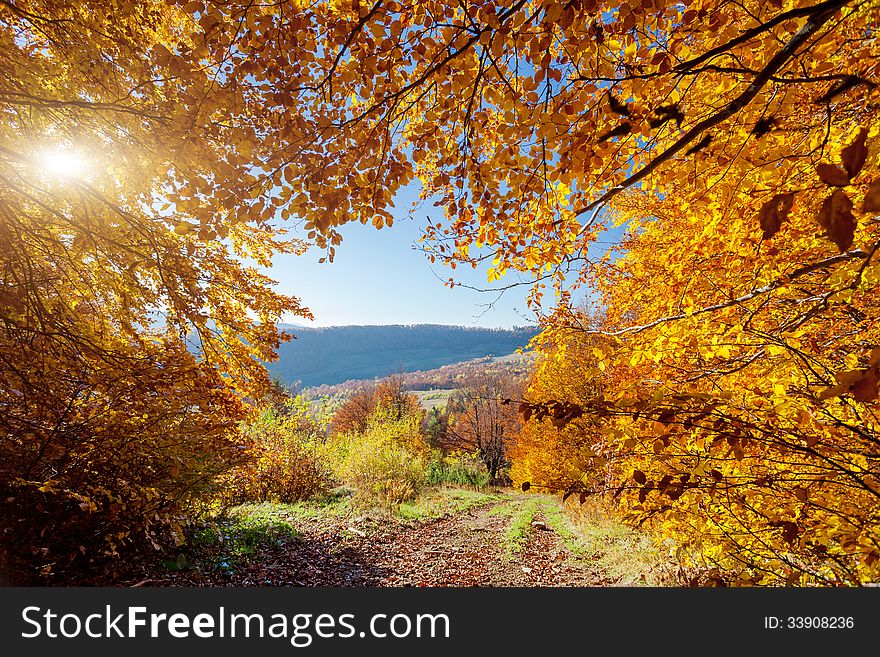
(558, 443)
(482, 420)
(127, 199)
(388, 396)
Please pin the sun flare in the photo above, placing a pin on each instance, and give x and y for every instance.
(62, 163)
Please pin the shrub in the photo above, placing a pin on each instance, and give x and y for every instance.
(287, 457)
(458, 469)
(386, 464)
(93, 462)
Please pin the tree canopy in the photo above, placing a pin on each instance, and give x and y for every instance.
(121, 168)
(735, 145)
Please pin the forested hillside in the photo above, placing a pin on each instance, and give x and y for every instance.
(341, 353)
(446, 377)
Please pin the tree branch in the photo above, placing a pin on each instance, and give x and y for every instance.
(824, 12)
(855, 254)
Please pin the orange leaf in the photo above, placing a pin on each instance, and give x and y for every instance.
(774, 212)
(872, 198)
(866, 389)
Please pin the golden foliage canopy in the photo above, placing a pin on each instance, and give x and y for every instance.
(736, 143)
(127, 200)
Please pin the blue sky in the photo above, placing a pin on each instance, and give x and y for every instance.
(378, 277)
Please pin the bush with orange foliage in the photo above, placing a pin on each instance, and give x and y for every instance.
(389, 395)
(286, 456)
(96, 459)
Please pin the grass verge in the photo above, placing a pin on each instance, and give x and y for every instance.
(517, 535)
(440, 501)
(627, 556)
(243, 532)
(237, 536)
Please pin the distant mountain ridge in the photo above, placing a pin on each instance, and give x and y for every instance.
(334, 354)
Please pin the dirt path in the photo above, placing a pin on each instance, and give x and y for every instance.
(469, 548)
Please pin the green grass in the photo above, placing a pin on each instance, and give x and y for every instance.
(226, 542)
(440, 501)
(334, 506)
(433, 502)
(507, 509)
(239, 534)
(559, 521)
(243, 531)
(517, 535)
(249, 527)
(628, 556)
(431, 398)
(523, 511)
